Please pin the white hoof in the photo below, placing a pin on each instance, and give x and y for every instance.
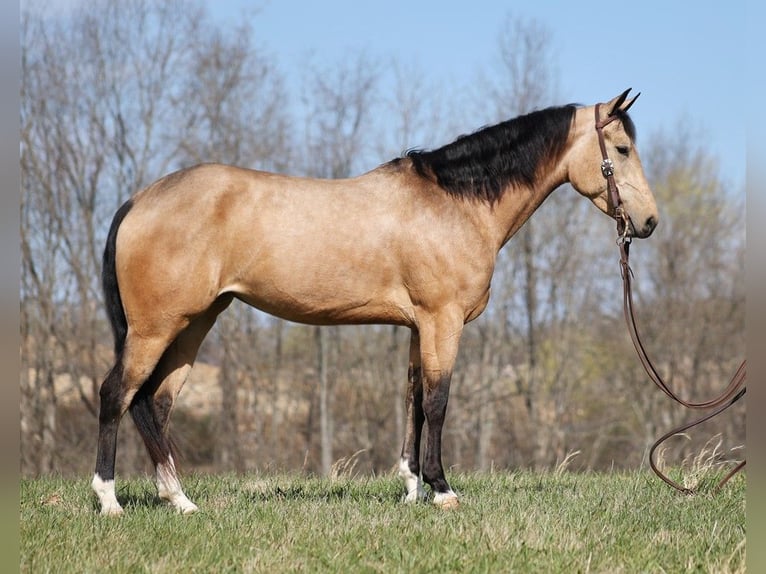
(179, 501)
(184, 505)
(412, 483)
(111, 510)
(169, 488)
(415, 495)
(104, 489)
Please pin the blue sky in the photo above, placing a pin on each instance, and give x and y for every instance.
(691, 61)
(687, 58)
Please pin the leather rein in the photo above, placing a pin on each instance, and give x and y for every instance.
(736, 388)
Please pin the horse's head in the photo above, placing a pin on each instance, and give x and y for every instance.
(610, 123)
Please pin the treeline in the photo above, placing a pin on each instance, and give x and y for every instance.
(116, 94)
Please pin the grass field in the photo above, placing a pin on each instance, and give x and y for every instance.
(507, 522)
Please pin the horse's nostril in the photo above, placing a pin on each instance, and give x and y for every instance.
(650, 224)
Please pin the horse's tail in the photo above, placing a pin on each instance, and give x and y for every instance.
(112, 298)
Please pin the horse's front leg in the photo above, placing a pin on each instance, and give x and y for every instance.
(409, 463)
(439, 339)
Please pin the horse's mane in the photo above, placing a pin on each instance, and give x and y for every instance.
(483, 164)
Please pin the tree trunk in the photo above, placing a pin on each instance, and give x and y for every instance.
(47, 406)
(325, 414)
(229, 454)
(486, 412)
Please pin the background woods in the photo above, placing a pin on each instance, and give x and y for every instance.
(119, 94)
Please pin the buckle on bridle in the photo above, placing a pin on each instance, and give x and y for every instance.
(607, 167)
(622, 222)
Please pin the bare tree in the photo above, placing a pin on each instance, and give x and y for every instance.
(233, 105)
(524, 76)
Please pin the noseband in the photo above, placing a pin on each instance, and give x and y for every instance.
(736, 387)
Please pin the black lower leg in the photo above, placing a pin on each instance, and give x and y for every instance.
(110, 413)
(435, 407)
(415, 419)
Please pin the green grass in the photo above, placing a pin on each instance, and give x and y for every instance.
(507, 522)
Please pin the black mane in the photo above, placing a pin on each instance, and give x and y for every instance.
(483, 164)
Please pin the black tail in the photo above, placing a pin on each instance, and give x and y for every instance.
(112, 298)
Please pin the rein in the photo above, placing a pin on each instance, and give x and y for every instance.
(736, 388)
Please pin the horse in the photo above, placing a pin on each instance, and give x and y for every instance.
(411, 243)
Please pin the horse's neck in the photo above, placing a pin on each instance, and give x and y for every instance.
(518, 204)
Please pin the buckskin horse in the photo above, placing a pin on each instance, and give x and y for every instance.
(412, 243)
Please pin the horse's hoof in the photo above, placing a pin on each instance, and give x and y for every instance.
(450, 504)
(446, 500)
(111, 510)
(415, 496)
(191, 509)
(182, 504)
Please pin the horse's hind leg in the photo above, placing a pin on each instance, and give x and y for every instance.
(409, 463)
(150, 410)
(153, 405)
(131, 370)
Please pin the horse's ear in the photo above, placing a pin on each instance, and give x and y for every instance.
(615, 103)
(632, 100)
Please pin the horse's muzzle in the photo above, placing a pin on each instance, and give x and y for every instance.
(643, 231)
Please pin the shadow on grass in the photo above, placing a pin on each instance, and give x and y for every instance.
(320, 490)
(132, 497)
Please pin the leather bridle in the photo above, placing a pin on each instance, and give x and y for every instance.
(607, 170)
(736, 388)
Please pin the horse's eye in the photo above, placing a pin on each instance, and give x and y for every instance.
(623, 149)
